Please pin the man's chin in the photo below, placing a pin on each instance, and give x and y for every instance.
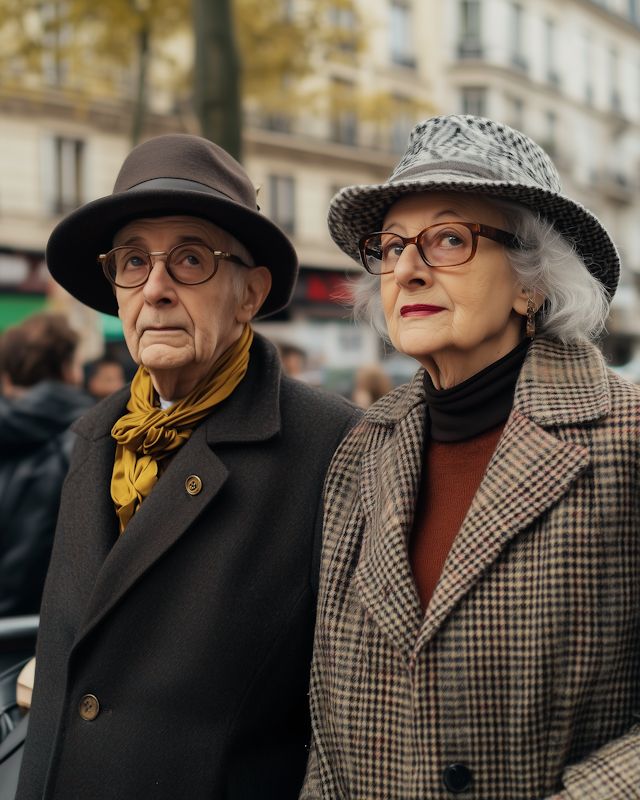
(164, 356)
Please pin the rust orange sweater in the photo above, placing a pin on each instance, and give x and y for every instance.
(451, 475)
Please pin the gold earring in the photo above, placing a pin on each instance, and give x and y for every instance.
(531, 318)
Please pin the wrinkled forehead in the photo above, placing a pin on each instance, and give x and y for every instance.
(432, 206)
(174, 226)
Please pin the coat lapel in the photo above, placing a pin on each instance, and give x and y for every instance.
(162, 519)
(250, 414)
(531, 468)
(529, 472)
(93, 529)
(388, 487)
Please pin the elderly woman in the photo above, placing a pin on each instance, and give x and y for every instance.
(479, 612)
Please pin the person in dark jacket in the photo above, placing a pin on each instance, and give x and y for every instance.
(177, 620)
(41, 399)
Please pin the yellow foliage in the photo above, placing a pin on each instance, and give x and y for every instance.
(89, 46)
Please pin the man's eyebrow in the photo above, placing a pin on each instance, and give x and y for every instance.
(131, 240)
(179, 240)
(197, 239)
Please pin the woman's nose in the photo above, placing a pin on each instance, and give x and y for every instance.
(411, 270)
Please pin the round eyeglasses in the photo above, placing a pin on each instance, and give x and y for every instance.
(190, 263)
(447, 244)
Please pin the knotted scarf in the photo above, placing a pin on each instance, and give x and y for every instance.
(147, 434)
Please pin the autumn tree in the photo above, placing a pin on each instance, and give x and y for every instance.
(92, 48)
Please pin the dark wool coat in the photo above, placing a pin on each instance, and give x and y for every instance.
(525, 668)
(194, 628)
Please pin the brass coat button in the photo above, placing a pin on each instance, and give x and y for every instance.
(89, 707)
(193, 484)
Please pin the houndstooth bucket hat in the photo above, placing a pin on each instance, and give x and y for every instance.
(475, 155)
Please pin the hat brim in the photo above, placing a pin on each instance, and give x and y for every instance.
(78, 240)
(357, 210)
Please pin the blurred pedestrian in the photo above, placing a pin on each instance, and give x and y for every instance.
(370, 384)
(40, 377)
(293, 360)
(104, 377)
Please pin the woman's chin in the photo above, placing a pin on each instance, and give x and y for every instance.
(416, 343)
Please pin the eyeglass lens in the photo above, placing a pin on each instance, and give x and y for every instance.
(190, 263)
(443, 246)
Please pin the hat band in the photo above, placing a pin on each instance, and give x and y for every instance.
(444, 168)
(182, 184)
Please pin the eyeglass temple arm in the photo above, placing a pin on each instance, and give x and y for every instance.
(503, 237)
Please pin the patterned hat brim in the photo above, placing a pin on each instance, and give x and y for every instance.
(357, 210)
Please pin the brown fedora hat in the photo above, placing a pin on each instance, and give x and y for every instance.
(174, 174)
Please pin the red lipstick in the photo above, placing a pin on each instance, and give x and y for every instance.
(420, 310)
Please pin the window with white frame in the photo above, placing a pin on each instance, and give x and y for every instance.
(282, 202)
(615, 100)
(474, 101)
(403, 121)
(401, 34)
(344, 118)
(344, 22)
(587, 62)
(550, 142)
(515, 110)
(62, 173)
(470, 40)
(516, 36)
(551, 67)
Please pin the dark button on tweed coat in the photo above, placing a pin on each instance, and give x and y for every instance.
(526, 666)
(194, 628)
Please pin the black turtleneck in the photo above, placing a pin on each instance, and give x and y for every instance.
(478, 404)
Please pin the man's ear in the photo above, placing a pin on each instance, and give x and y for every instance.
(256, 289)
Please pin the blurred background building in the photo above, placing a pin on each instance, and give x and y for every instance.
(328, 100)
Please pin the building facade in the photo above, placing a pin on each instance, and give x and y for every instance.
(566, 73)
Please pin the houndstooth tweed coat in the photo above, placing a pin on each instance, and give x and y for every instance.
(526, 666)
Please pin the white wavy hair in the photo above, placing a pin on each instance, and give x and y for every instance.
(576, 305)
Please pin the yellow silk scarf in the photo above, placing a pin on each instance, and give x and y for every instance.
(147, 434)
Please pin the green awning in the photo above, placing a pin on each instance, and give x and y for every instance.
(111, 327)
(16, 307)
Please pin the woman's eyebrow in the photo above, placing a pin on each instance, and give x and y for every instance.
(444, 213)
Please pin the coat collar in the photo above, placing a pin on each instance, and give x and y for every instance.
(530, 470)
(559, 384)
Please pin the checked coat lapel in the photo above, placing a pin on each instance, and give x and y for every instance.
(530, 471)
(250, 414)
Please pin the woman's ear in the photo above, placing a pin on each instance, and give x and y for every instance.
(522, 298)
(256, 288)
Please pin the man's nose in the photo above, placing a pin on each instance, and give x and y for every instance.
(160, 285)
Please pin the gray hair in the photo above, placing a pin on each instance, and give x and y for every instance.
(229, 244)
(576, 305)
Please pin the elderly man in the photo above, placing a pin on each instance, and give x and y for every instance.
(177, 620)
